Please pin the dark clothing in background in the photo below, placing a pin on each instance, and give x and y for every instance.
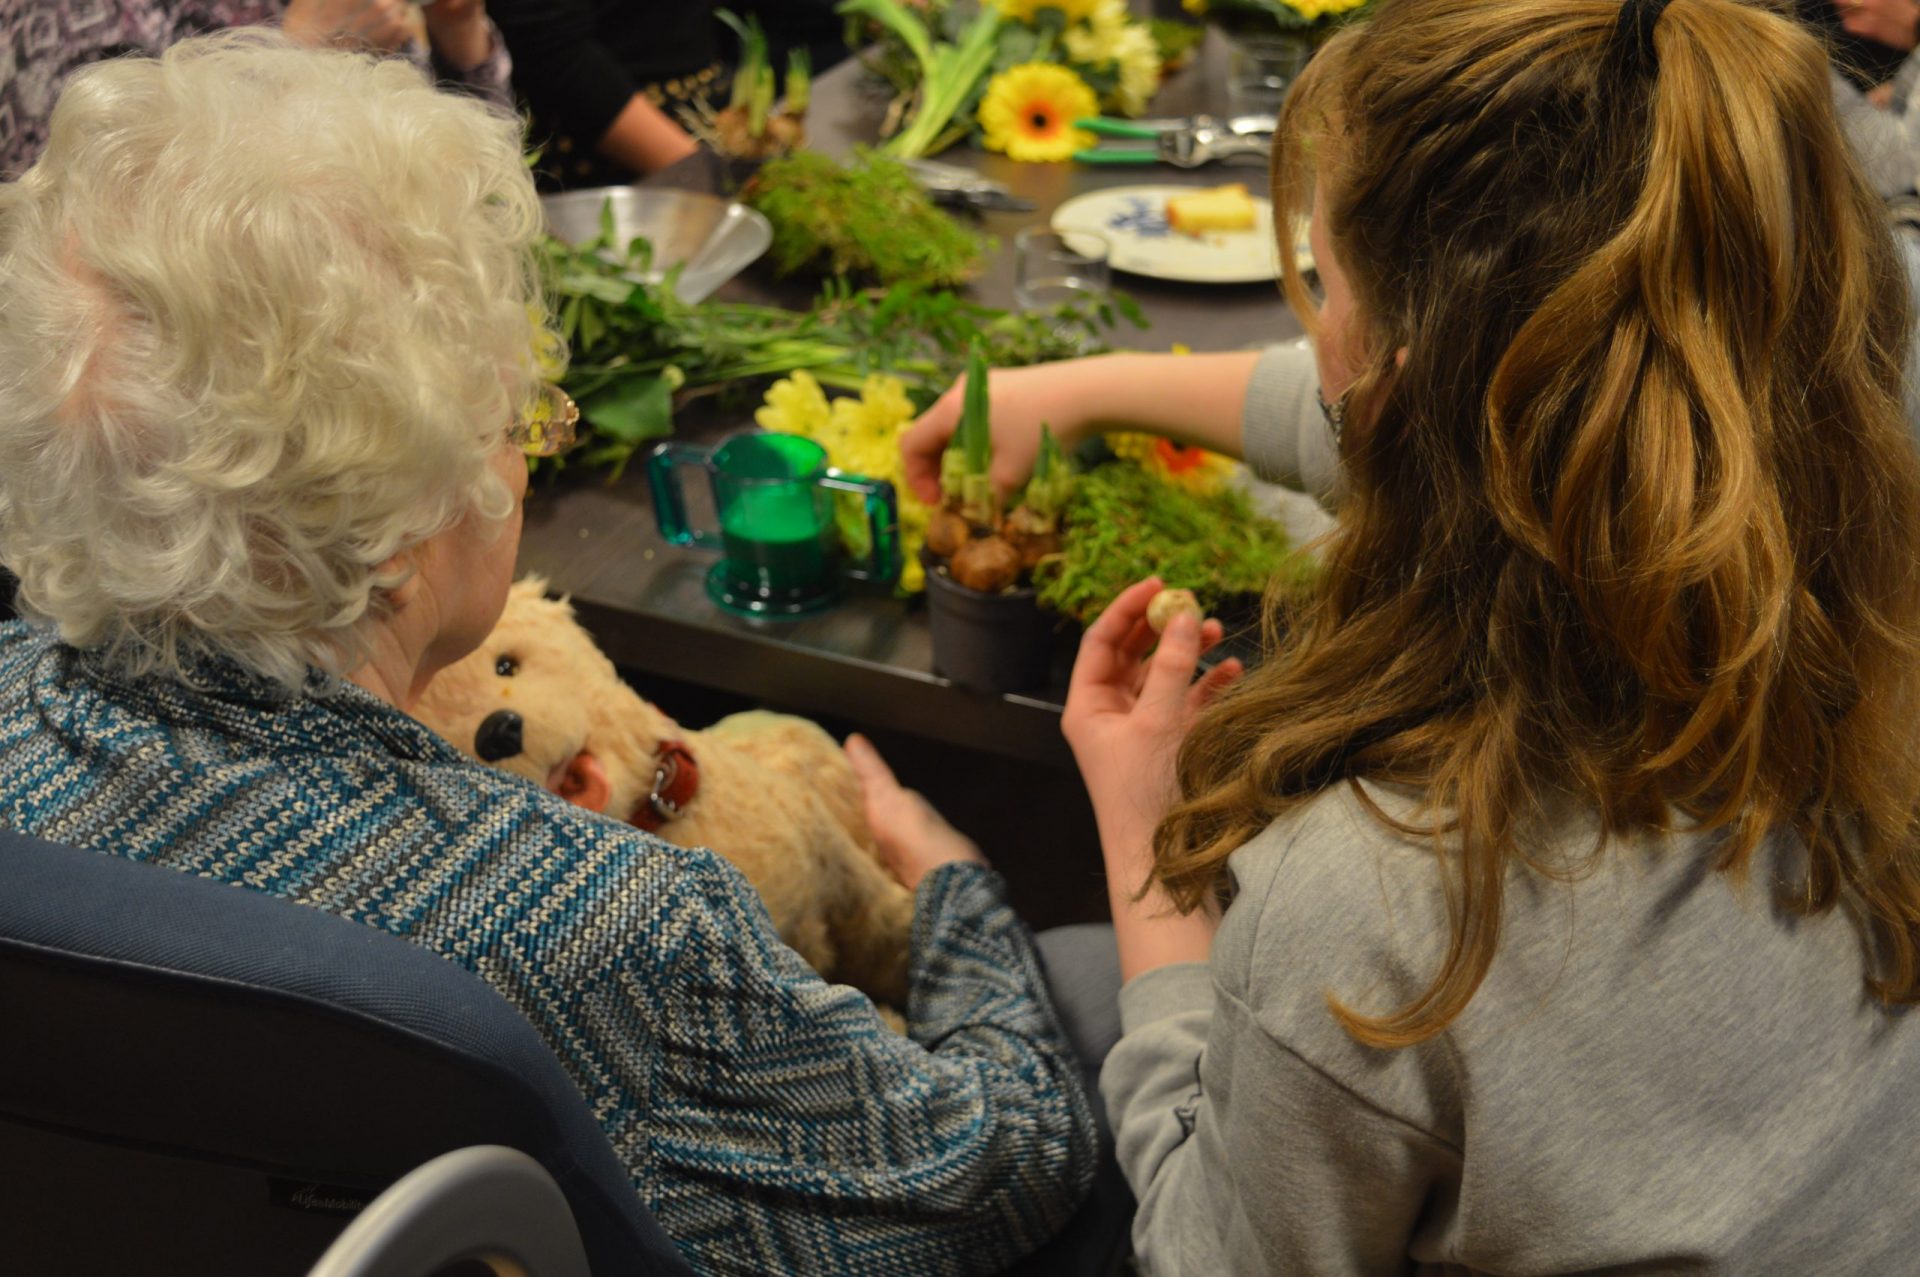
(577, 63)
(1865, 62)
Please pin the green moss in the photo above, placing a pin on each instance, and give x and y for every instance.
(870, 220)
(1124, 524)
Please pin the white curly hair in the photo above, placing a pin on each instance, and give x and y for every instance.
(264, 314)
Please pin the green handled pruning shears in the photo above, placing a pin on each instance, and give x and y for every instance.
(1104, 127)
(1184, 146)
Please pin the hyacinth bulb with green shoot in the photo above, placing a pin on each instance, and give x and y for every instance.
(753, 125)
(965, 486)
(1033, 527)
(983, 550)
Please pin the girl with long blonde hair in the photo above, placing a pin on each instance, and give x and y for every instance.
(1549, 897)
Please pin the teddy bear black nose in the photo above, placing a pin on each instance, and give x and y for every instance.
(498, 737)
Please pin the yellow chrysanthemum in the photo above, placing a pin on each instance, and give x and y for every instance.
(1028, 10)
(549, 351)
(1110, 36)
(795, 405)
(1029, 111)
(1137, 56)
(1194, 469)
(861, 436)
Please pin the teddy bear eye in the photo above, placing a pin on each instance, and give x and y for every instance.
(506, 667)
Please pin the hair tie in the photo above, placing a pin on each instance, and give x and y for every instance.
(1633, 38)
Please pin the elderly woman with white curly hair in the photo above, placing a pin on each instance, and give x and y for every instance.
(265, 388)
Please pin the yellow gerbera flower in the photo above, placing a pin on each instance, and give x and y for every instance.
(1027, 10)
(1029, 111)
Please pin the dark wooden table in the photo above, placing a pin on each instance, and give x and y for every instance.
(869, 661)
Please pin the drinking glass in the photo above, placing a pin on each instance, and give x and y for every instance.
(1260, 69)
(1051, 269)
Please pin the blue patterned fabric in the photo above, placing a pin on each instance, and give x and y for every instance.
(769, 1119)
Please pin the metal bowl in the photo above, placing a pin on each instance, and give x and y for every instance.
(716, 239)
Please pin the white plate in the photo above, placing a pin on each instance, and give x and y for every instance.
(1134, 221)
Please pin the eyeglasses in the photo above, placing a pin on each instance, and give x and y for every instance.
(545, 427)
(1335, 413)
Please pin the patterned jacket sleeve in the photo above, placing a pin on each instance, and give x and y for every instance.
(789, 1130)
(491, 80)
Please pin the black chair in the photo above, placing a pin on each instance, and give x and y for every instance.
(200, 1078)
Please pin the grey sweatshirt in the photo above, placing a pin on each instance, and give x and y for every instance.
(1283, 434)
(1887, 142)
(1661, 1071)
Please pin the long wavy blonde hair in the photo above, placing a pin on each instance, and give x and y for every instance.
(1632, 517)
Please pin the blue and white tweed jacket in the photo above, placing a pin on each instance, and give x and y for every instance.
(769, 1119)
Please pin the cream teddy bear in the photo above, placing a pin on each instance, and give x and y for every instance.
(770, 792)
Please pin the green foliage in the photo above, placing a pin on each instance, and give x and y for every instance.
(799, 85)
(869, 219)
(1123, 524)
(752, 61)
(974, 437)
(1051, 486)
(949, 73)
(636, 347)
(1176, 40)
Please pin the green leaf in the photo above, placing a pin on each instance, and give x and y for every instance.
(975, 435)
(632, 410)
(1018, 44)
(908, 26)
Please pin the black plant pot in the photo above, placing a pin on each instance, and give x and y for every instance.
(987, 642)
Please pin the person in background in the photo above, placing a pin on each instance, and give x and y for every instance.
(605, 80)
(1884, 124)
(49, 40)
(1864, 57)
(811, 25)
(266, 392)
(1575, 819)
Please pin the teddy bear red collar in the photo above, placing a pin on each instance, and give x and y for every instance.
(676, 779)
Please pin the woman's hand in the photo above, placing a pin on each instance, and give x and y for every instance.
(382, 25)
(1194, 399)
(1024, 399)
(460, 32)
(1126, 715)
(913, 838)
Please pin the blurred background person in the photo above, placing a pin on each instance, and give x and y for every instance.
(605, 81)
(42, 42)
